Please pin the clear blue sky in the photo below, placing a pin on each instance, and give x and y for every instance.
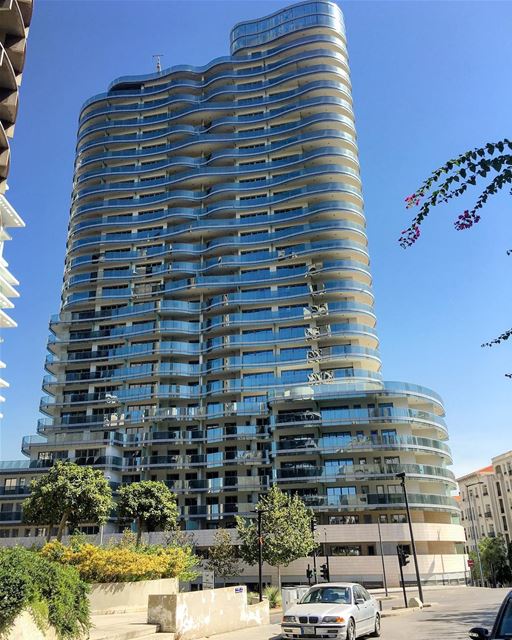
(430, 79)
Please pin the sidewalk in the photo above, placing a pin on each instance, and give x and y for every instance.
(266, 632)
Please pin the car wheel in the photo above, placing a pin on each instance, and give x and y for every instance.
(376, 633)
(351, 630)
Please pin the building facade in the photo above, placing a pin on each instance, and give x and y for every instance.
(15, 16)
(486, 501)
(217, 329)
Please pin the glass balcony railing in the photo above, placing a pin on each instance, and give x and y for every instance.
(357, 472)
(208, 71)
(330, 444)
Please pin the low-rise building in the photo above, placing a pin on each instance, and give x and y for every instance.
(486, 501)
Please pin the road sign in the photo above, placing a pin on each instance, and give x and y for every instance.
(208, 580)
(471, 563)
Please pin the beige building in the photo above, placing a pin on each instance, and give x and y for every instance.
(15, 16)
(486, 501)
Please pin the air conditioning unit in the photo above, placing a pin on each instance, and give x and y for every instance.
(327, 376)
(312, 332)
(314, 355)
(314, 377)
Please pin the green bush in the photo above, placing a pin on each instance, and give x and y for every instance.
(52, 593)
(273, 595)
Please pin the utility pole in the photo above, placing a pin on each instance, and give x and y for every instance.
(401, 476)
(382, 560)
(475, 530)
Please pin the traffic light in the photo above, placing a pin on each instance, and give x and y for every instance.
(403, 556)
(313, 525)
(324, 572)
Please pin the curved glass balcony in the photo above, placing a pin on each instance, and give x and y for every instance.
(333, 443)
(254, 33)
(115, 92)
(346, 416)
(359, 472)
(233, 89)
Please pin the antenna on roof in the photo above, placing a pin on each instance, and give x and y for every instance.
(158, 63)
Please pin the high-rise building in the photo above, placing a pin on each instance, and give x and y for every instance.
(15, 16)
(217, 329)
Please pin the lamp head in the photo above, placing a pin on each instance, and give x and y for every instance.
(401, 475)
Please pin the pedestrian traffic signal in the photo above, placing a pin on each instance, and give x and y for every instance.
(324, 572)
(403, 556)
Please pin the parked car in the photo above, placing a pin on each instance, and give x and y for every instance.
(341, 610)
(502, 625)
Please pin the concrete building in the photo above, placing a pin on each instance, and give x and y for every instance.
(217, 329)
(486, 501)
(15, 16)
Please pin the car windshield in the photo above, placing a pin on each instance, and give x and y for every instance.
(334, 595)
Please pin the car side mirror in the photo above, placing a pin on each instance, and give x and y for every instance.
(478, 633)
(359, 600)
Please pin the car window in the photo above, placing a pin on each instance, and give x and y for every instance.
(357, 594)
(334, 595)
(365, 593)
(505, 624)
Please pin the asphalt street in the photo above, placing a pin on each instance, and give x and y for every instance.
(454, 611)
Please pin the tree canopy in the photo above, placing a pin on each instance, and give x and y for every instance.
(286, 530)
(151, 504)
(223, 557)
(68, 494)
(494, 554)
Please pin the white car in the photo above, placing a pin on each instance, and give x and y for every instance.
(341, 610)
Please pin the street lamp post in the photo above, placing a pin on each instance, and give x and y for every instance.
(475, 530)
(260, 513)
(102, 526)
(401, 477)
(382, 560)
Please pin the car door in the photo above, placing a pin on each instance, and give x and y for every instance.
(359, 612)
(364, 621)
(372, 608)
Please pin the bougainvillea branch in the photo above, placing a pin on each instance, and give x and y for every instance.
(452, 180)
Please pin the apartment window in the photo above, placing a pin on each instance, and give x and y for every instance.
(398, 518)
(346, 550)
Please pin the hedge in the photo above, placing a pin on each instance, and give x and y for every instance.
(54, 594)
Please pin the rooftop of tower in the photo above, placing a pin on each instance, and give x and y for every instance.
(291, 19)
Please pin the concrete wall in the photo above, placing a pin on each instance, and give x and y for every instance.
(205, 613)
(24, 628)
(119, 597)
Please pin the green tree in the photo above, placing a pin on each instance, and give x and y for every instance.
(286, 531)
(223, 558)
(494, 555)
(491, 163)
(151, 504)
(68, 494)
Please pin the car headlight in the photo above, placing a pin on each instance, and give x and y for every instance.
(289, 619)
(335, 619)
